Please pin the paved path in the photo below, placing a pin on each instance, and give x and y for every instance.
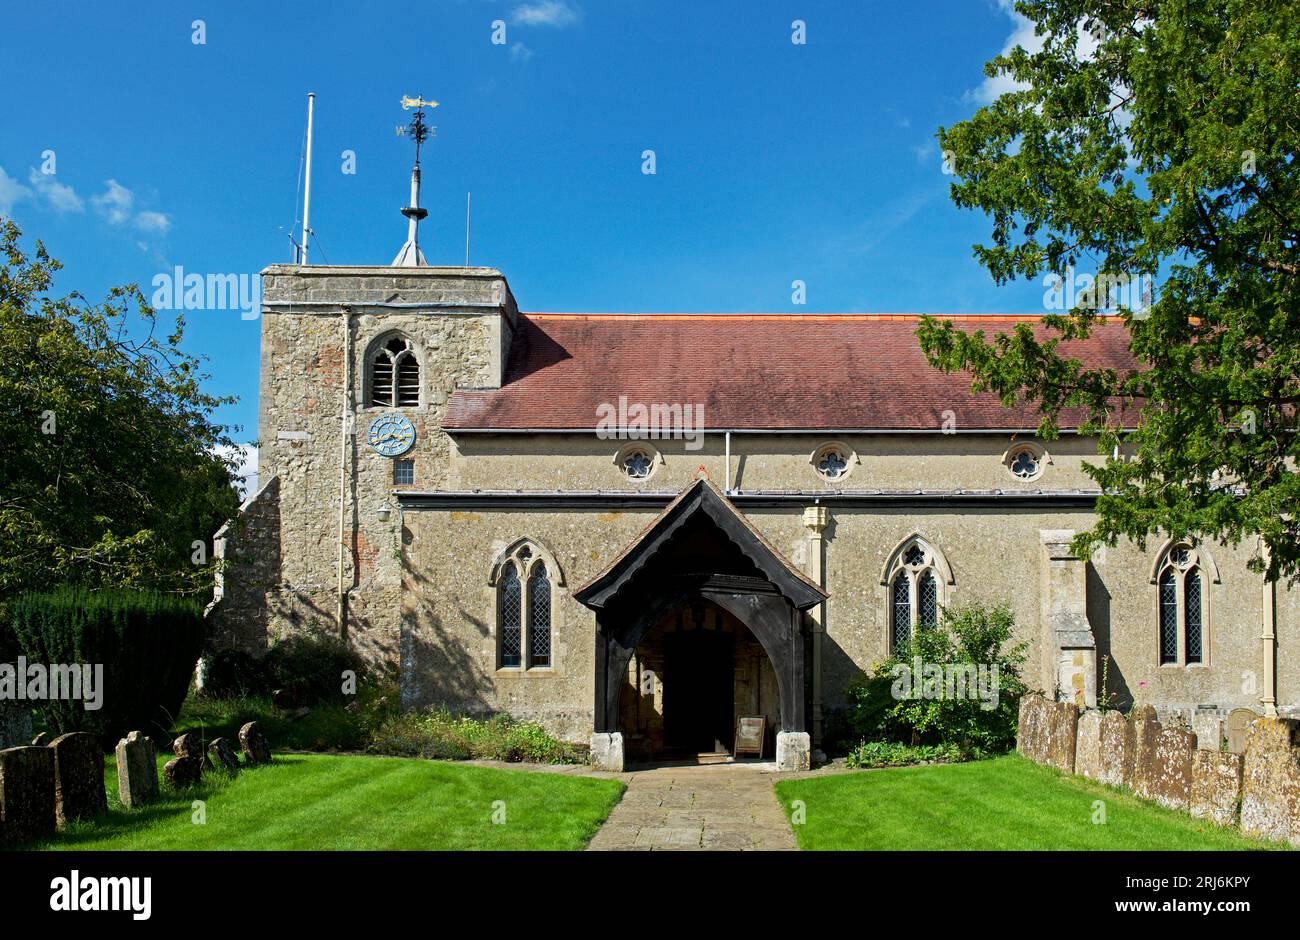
(711, 806)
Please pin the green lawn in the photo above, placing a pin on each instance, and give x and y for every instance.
(1005, 803)
(338, 802)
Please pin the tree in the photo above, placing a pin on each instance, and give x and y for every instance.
(1153, 140)
(109, 472)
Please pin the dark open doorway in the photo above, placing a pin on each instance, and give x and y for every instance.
(699, 694)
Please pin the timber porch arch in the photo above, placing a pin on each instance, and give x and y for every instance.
(699, 549)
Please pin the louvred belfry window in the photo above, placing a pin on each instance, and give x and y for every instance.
(395, 375)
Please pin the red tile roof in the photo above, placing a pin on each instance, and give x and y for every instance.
(761, 371)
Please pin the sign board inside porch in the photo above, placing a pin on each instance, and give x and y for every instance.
(750, 735)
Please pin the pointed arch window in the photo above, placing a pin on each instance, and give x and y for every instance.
(394, 375)
(915, 575)
(1180, 576)
(525, 577)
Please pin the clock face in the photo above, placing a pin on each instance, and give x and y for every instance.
(391, 435)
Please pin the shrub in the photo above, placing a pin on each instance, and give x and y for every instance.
(233, 673)
(311, 667)
(893, 754)
(439, 735)
(967, 638)
(147, 644)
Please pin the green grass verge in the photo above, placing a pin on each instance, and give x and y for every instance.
(322, 802)
(999, 804)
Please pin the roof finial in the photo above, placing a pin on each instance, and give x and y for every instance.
(410, 256)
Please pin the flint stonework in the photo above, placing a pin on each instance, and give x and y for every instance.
(137, 770)
(78, 777)
(1216, 786)
(1270, 789)
(26, 793)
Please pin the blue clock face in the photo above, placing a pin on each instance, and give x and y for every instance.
(391, 434)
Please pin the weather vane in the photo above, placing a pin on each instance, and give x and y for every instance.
(410, 255)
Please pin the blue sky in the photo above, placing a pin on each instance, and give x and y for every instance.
(774, 161)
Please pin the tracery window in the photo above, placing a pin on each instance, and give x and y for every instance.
(1180, 598)
(394, 375)
(915, 576)
(524, 578)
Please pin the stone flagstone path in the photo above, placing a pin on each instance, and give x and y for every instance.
(718, 806)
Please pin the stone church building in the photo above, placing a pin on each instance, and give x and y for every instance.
(637, 529)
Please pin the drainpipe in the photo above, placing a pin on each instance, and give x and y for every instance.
(815, 519)
(727, 474)
(1269, 638)
(343, 470)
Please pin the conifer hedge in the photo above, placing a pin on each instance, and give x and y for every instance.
(147, 643)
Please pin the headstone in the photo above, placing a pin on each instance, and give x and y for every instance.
(41, 740)
(1238, 726)
(188, 745)
(1208, 729)
(1143, 713)
(222, 756)
(1031, 733)
(793, 751)
(26, 793)
(15, 724)
(1270, 788)
(1087, 749)
(78, 777)
(257, 750)
(1116, 750)
(1163, 768)
(1062, 735)
(1216, 786)
(137, 770)
(181, 772)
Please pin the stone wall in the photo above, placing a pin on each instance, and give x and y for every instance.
(1258, 791)
(247, 551)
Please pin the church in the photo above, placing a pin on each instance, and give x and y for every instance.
(638, 529)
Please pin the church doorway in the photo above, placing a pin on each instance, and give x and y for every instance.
(700, 700)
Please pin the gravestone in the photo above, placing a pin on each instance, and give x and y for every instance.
(1270, 789)
(1031, 730)
(188, 745)
(257, 750)
(1239, 722)
(137, 770)
(1163, 768)
(181, 772)
(1116, 750)
(41, 740)
(1087, 749)
(222, 756)
(1216, 786)
(26, 793)
(78, 777)
(1062, 735)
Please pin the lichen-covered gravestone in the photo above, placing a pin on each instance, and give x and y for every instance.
(257, 750)
(222, 756)
(1116, 750)
(1216, 786)
(187, 745)
(181, 772)
(78, 777)
(137, 770)
(26, 793)
(1270, 790)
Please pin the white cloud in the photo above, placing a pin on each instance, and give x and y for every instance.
(153, 222)
(11, 192)
(60, 197)
(923, 152)
(557, 13)
(245, 457)
(520, 53)
(1022, 34)
(114, 203)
